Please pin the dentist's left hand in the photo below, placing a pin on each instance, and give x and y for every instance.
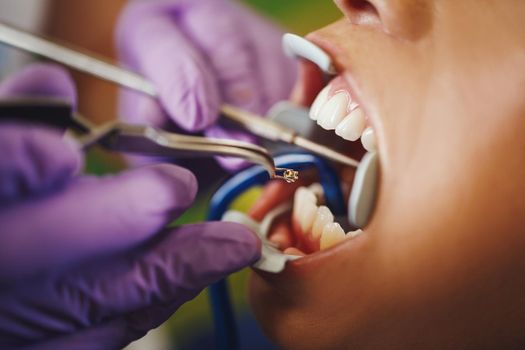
(85, 262)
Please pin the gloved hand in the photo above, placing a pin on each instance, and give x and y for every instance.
(86, 262)
(200, 54)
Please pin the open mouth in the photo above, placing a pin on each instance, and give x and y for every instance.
(310, 226)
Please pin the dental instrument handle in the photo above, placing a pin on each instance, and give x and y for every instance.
(258, 125)
(103, 69)
(147, 140)
(91, 64)
(324, 151)
(84, 62)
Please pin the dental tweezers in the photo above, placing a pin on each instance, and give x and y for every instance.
(101, 68)
(134, 139)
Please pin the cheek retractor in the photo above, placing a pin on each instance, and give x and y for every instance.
(362, 199)
(272, 259)
(296, 46)
(364, 191)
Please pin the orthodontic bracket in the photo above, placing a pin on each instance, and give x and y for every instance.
(288, 175)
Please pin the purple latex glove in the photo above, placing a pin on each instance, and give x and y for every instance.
(200, 54)
(86, 262)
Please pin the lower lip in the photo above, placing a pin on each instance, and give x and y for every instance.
(315, 263)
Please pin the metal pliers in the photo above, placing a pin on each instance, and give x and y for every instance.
(135, 139)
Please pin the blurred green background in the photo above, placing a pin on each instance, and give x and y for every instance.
(194, 318)
(299, 16)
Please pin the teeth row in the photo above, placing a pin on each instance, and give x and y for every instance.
(340, 113)
(317, 221)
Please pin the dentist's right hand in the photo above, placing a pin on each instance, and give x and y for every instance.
(87, 262)
(200, 54)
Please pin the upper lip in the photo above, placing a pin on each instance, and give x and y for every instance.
(342, 69)
(330, 48)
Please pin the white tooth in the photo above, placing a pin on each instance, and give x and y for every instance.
(307, 216)
(352, 126)
(354, 234)
(353, 105)
(305, 194)
(323, 217)
(319, 102)
(317, 189)
(368, 139)
(302, 196)
(334, 111)
(297, 208)
(332, 234)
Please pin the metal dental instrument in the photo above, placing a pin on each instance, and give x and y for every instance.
(136, 139)
(102, 69)
(273, 131)
(146, 140)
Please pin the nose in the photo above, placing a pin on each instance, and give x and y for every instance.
(404, 19)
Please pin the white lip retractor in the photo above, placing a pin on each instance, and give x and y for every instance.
(272, 259)
(298, 47)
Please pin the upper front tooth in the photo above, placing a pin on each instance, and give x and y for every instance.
(332, 234)
(319, 102)
(304, 208)
(352, 126)
(368, 139)
(323, 217)
(333, 111)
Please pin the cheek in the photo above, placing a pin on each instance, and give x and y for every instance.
(451, 208)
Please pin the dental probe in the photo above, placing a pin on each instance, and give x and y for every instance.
(273, 131)
(101, 68)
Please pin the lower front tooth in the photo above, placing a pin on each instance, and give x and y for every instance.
(323, 217)
(368, 139)
(307, 216)
(317, 189)
(301, 196)
(332, 234)
(354, 234)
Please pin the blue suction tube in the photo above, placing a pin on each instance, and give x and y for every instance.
(222, 310)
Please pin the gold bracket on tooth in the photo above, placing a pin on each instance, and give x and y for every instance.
(288, 175)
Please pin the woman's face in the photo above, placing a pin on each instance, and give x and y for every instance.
(442, 262)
